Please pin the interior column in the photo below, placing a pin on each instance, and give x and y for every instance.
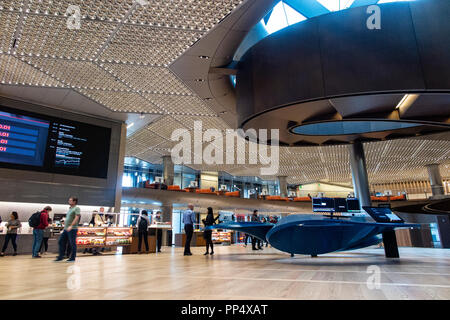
(437, 188)
(361, 186)
(169, 170)
(359, 173)
(282, 182)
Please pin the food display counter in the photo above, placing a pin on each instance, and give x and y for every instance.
(90, 237)
(221, 236)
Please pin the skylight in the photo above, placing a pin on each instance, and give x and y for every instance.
(336, 5)
(386, 1)
(281, 17)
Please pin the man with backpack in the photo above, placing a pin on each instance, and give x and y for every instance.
(39, 221)
(143, 223)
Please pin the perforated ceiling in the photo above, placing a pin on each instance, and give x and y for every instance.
(119, 58)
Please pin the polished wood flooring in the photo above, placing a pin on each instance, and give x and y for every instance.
(232, 273)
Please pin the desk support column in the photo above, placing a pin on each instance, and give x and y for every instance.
(361, 186)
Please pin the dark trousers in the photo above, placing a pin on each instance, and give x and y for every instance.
(71, 238)
(44, 245)
(158, 239)
(38, 235)
(12, 237)
(256, 241)
(143, 234)
(208, 237)
(246, 238)
(189, 230)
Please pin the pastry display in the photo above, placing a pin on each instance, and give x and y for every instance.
(109, 236)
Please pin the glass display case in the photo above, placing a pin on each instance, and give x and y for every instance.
(221, 236)
(104, 236)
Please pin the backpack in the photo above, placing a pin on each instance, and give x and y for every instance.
(143, 224)
(35, 219)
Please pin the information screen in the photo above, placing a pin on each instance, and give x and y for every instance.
(36, 142)
(22, 139)
(382, 214)
(335, 205)
(340, 204)
(323, 204)
(353, 205)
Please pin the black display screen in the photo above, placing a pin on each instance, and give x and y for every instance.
(382, 214)
(335, 205)
(323, 204)
(340, 205)
(30, 141)
(353, 205)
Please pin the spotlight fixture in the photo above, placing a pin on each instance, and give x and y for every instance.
(204, 57)
(142, 115)
(199, 80)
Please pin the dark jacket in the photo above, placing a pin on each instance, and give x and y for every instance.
(210, 220)
(255, 218)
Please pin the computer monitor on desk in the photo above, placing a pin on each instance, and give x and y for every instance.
(383, 215)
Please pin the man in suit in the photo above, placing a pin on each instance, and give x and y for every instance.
(188, 220)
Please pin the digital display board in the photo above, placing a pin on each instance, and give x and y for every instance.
(382, 214)
(353, 205)
(30, 141)
(323, 204)
(335, 205)
(340, 205)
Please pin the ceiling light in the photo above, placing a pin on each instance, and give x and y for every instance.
(130, 125)
(407, 101)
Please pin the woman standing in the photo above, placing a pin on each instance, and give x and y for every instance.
(207, 234)
(12, 225)
(47, 235)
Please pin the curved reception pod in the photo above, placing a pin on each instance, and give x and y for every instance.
(315, 234)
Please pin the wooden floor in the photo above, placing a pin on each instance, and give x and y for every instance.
(233, 273)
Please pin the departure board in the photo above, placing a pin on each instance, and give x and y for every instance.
(36, 142)
(22, 139)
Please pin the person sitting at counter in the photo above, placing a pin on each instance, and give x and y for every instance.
(143, 223)
(13, 224)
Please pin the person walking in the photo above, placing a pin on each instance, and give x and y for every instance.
(11, 234)
(207, 234)
(156, 219)
(247, 236)
(188, 220)
(143, 223)
(69, 235)
(254, 239)
(47, 234)
(38, 231)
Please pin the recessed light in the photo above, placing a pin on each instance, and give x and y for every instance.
(199, 80)
(203, 57)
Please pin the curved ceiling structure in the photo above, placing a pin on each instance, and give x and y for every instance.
(340, 81)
